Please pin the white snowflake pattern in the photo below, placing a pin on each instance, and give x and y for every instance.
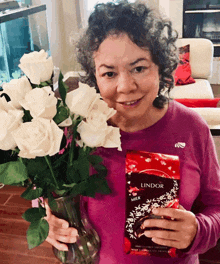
(146, 208)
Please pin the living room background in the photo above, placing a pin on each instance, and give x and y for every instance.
(65, 19)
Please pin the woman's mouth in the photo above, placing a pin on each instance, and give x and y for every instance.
(131, 103)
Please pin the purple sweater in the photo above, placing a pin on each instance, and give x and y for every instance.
(200, 178)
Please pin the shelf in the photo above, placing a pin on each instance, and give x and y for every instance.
(202, 11)
(21, 12)
(8, 5)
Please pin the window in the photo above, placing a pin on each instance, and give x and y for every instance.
(22, 30)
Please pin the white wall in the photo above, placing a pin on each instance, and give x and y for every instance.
(174, 10)
(150, 3)
(176, 15)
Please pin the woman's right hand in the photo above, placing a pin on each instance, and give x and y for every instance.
(59, 231)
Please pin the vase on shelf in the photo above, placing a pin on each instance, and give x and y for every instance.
(85, 250)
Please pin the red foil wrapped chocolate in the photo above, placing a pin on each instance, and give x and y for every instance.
(152, 180)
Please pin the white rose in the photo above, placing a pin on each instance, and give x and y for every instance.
(90, 135)
(40, 137)
(96, 133)
(113, 138)
(41, 102)
(37, 66)
(5, 106)
(102, 107)
(67, 122)
(9, 121)
(16, 89)
(80, 101)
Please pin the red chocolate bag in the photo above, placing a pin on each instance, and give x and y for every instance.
(152, 180)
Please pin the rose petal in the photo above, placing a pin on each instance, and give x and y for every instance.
(40, 137)
(67, 122)
(36, 66)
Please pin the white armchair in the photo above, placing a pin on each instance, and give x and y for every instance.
(201, 59)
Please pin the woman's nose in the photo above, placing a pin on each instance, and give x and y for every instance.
(126, 84)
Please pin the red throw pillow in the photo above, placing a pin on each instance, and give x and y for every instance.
(199, 102)
(182, 74)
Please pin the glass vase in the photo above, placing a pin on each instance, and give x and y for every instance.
(85, 249)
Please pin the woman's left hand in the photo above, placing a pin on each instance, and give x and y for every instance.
(178, 231)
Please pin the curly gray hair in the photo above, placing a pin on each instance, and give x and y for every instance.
(144, 27)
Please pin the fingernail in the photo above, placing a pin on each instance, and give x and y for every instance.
(65, 225)
(74, 234)
(64, 248)
(155, 211)
(147, 234)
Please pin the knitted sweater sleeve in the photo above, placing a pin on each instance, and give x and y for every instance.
(208, 218)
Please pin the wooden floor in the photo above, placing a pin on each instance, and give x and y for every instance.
(13, 245)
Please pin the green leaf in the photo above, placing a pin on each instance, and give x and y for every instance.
(44, 84)
(94, 159)
(31, 194)
(101, 169)
(13, 172)
(60, 160)
(61, 192)
(97, 184)
(27, 116)
(51, 201)
(34, 214)
(62, 89)
(79, 188)
(69, 185)
(37, 233)
(43, 180)
(84, 168)
(62, 114)
(59, 102)
(35, 166)
(72, 173)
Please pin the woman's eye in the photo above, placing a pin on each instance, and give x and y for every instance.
(139, 69)
(109, 74)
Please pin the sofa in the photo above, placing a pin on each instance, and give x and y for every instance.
(201, 60)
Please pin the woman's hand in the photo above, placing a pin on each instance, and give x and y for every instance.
(178, 231)
(59, 231)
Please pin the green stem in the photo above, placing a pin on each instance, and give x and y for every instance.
(72, 148)
(20, 159)
(51, 170)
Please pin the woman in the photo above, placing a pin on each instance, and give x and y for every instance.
(128, 53)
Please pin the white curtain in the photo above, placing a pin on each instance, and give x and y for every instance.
(65, 20)
(215, 78)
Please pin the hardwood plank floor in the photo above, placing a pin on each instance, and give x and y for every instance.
(13, 244)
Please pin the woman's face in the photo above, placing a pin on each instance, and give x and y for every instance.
(127, 78)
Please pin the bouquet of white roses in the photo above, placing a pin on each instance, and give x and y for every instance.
(47, 142)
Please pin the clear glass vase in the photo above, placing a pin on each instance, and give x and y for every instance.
(87, 246)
